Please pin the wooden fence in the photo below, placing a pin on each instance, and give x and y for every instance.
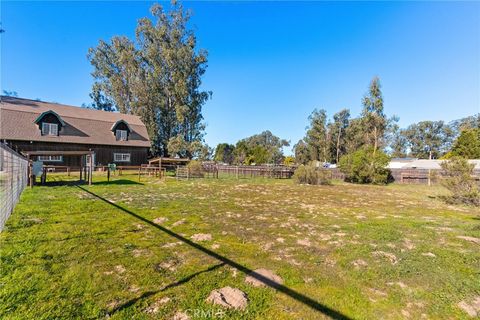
(69, 169)
(277, 172)
(405, 176)
(409, 176)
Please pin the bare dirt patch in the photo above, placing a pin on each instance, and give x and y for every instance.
(271, 278)
(471, 239)
(179, 222)
(304, 242)
(359, 263)
(429, 254)
(179, 315)
(229, 297)
(471, 308)
(120, 269)
(140, 252)
(390, 256)
(155, 306)
(160, 220)
(202, 237)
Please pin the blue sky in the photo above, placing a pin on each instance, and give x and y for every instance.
(270, 63)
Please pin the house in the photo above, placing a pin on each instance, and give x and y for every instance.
(397, 163)
(426, 164)
(29, 125)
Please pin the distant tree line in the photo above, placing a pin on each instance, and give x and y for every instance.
(158, 76)
(362, 145)
(263, 148)
(327, 140)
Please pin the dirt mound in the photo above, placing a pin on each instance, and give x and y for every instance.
(229, 297)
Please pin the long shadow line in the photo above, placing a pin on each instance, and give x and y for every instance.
(286, 290)
(172, 285)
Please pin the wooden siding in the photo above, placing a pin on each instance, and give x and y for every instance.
(103, 154)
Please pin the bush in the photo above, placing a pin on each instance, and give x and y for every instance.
(195, 169)
(310, 174)
(363, 166)
(289, 161)
(457, 177)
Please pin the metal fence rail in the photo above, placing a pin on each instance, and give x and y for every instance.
(13, 179)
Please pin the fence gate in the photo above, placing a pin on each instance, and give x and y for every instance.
(181, 172)
(13, 179)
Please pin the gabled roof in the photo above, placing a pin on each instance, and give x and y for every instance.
(40, 117)
(87, 126)
(118, 122)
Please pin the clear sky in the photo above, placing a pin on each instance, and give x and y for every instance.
(270, 63)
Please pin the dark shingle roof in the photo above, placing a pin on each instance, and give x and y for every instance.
(17, 122)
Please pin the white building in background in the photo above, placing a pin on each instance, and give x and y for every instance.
(413, 163)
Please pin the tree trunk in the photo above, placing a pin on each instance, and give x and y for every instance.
(338, 143)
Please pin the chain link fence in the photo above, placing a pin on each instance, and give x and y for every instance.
(13, 179)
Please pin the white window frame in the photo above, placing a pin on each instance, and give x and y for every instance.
(121, 157)
(121, 135)
(49, 129)
(50, 158)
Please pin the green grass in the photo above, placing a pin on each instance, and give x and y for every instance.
(66, 253)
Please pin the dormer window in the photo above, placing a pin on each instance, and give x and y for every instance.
(122, 130)
(49, 123)
(121, 135)
(49, 129)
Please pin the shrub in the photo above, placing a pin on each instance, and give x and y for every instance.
(457, 177)
(363, 166)
(289, 161)
(195, 169)
(310, 174)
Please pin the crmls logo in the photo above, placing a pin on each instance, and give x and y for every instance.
(205, 313)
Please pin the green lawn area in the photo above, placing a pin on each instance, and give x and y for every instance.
(125, 250)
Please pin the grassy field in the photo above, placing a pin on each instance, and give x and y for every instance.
(125, 250)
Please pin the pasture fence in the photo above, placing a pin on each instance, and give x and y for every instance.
(13, 180)
(277, 171)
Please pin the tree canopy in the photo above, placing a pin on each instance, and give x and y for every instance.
(260, 148)
(467, 144)
(428, 139)
(156, 76)
(374, 121)
(224, 153)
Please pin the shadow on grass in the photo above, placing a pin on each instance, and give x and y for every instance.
(117, 182)
(315, 305)
(172, 285)
(58, 183)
